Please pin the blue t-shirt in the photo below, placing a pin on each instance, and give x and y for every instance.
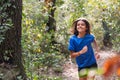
(76, 44)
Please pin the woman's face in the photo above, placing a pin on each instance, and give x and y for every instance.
(81, 27)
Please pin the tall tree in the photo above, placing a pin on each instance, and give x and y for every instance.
(107, 38)
(51, 24)
(10, 47)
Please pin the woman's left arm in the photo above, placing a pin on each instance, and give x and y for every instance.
(95, 45)
(96, 49)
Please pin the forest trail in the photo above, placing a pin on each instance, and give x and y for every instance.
(70, 68)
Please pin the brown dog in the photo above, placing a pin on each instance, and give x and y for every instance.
(112, 65)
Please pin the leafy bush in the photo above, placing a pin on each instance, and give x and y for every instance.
(39, 53)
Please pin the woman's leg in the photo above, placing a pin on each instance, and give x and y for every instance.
(87, 73)
(85, 78)
(91, 74)
(91, 78)
(83, 74)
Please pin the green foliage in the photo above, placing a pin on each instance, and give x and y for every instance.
(38, 51)
(59, 3)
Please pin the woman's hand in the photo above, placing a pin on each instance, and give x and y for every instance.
(84, 50)
(97, 56)
(75, 54)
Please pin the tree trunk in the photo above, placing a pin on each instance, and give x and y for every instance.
(51, 24)
(107, 38)
(11, 45)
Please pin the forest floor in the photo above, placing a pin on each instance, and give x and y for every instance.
(70, 68)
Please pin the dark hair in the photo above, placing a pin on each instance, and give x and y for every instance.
(74, 26)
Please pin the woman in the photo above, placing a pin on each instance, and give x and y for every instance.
(80, 48)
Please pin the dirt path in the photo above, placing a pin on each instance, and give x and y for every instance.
(70, 68)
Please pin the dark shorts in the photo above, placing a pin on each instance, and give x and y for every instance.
(84, 72)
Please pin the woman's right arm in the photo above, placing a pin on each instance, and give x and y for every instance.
(75, 54)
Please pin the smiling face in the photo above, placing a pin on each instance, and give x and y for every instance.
(81, 27)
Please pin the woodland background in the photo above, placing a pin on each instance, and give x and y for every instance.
(34, 34)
